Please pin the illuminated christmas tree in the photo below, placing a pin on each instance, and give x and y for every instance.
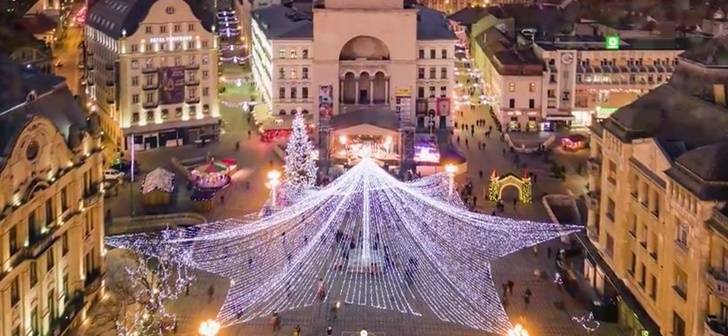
(300, 166)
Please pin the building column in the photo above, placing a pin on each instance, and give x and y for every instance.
(356, 90)
(386, 90)
(341, 90)
(371, 92)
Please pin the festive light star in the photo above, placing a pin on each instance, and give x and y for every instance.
(365, 239)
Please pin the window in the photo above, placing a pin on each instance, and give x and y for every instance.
(135, 99)
(162, 29)
(178, 112)
(64, 289)
(34, 320)
(304, 92)
(191, 27)
(681, 234)
(653, 287)
(512, 103)
(135, 117)
(304, 73)
(432, 53)
(282, 112)
(178, 46)
(422, 54)
(150, 97)
(205, 74)
(293, 93)
(135, 81)
(64, 200)
(165, 114)
(294, 74)
(52, 304)
(550, 93)
(632, 263)
(443, 53)
(678, 325)
(33, 273)
(50, 259)
(148, 29)
(64, 243)
(610, 246)
(14, 292)
(443, 73)
(612, 173)
(150, 115)
(205, 91)
(282, 53)
(304, 53)
(420, 73)
(49, 213)
(632, 222)
(643, 275)
(281, 93)
(16, 331)
(134, 48)
(433, 73)
(511, 87)
(531, 103)
(177, 28)
(420, 92)
(610, 209)
(204, 45)
(281, 73)
(681, 282)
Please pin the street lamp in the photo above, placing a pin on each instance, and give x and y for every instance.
(273, 182)
(451, 169)
(363, 332)
(209, 328)
(517, 330)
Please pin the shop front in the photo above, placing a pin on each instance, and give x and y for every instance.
(172, 134)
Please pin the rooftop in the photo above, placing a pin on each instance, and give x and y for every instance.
(113, 17)
(506, 56)
(283, 22)
(50, 99)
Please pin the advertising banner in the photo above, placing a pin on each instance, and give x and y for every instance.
(443, 106)
(171, 85)
(403, 104)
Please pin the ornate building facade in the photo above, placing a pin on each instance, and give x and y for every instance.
(51, 217)
(657, 227)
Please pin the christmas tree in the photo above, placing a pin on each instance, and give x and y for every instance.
(300, 166)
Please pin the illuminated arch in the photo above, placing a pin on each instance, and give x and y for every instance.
(522, 184)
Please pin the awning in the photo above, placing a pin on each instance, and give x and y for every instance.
(560, 117)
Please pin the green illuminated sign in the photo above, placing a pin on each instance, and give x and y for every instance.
(612, 42)
(644, 333)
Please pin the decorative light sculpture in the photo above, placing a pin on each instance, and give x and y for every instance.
(365, 239)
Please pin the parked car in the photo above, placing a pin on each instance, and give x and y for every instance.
(113, 174)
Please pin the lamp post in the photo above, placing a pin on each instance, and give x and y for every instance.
(273, 182)
(209, 328)
(517, 330)
(451, 169)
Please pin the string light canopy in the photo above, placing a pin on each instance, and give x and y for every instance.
(365, 239)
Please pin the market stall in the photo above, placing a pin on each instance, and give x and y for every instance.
(157, 187)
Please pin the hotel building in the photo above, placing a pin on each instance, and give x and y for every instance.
(51, 205)
(657, 231)
(153, 72)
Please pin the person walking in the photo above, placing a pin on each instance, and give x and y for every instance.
(297, 330)
(329, 330)
(510, 287)
(210, 293)
(527, 298)
(275, 321)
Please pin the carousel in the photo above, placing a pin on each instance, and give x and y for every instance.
(213, 174)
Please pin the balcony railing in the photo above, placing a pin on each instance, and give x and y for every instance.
(149, 69)
(192, 82)
(192, 100)
(93, 281)
(717, 281)
(714, 326)
(152, 86)
(92, 195)
(192, 66)
(150, 104)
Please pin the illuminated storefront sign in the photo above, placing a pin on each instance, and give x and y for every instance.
(612, 42)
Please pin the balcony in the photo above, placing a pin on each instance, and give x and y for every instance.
(682, 246)
(592, 200)
(70, 312)
(192, 82)
(110, 100)
(717, 281)
(714, 326)
(92, 195)
(109, 82)
(150, 104)
(149, 69)
(594, 165)
(152, 86)
(192, 100)
(193, 66)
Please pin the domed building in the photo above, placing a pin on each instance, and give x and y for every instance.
(366, 72)
(51, 205)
